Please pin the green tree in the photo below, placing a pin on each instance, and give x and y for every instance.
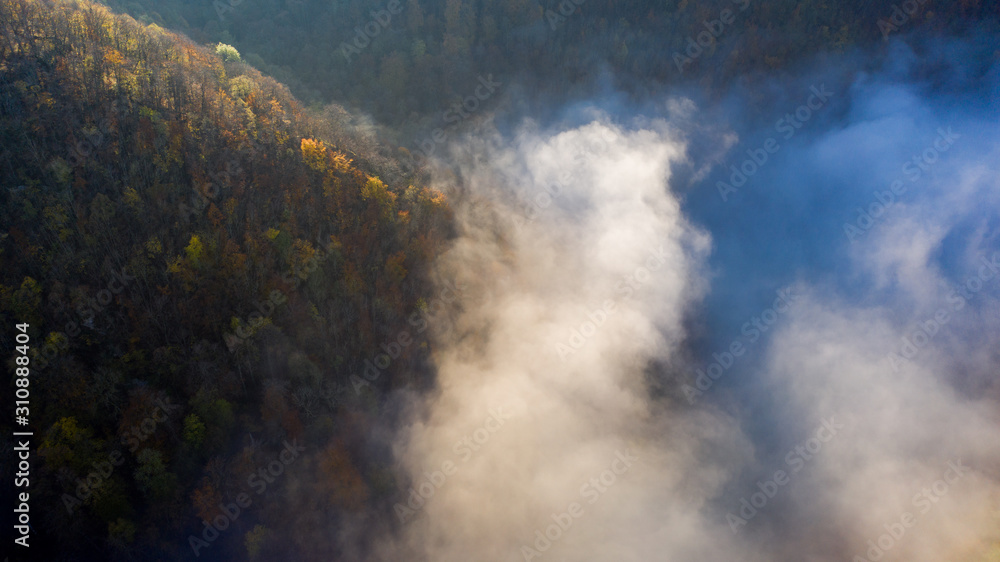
(227, 52)
(194, 430)
(152, 476)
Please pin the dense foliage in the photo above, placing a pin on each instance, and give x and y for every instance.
(204, 267)
(403, 60)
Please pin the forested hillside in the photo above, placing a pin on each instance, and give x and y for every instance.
(219, 278)
(404, 59)
(203, 267)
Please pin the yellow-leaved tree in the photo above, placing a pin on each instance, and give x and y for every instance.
(314, 154)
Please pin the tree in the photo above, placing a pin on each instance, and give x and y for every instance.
(314, 154)
(194, 430)
(194, 250)
(152, 476)
(227, 52)
(206, 499)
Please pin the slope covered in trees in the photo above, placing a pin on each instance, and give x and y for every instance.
(203, 266)
(403, 60)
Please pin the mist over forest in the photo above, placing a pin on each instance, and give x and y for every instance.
(424, 281)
